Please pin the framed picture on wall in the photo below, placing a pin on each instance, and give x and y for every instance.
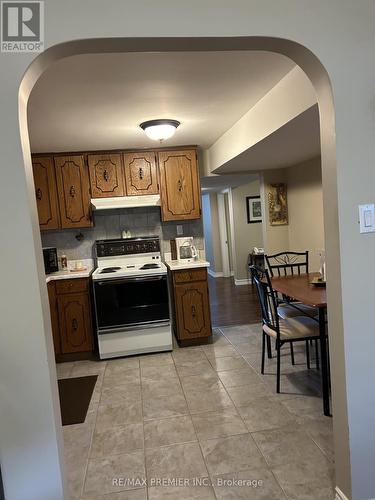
(254, 209)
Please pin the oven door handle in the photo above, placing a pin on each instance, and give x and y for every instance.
(130, 280)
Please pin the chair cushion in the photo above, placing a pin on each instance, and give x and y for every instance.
(285, 310)
(298, 327)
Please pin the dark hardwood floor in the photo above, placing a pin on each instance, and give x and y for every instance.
(231, 304)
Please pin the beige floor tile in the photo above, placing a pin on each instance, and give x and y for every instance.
(159, 388)
(264, 414)
(212, 425)
(118, 365)
(228, 363)
(181, 492)
(64, 370)
(156, 372)
(214, 400)
(117, 440)
(199, 367)
(287, 445)
(231, 454)
(219, 351)
(166, 406)
(159, 359)
(87, 367)
(320, 429)
(205, 381)
(304, 405)
(179, 460)
(122, 394)
(306, 479)
(254, 484)
(184, 355)
(75, 476)
(168, 431)
(140, 494)
(237, 378)
(107, 475)
(131, 376)
(245, 394)
(112, 415)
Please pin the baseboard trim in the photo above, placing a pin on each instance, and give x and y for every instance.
(245, 281)
(214, 274)
(340, 495)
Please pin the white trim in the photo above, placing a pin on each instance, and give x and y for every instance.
(223, 234)
(245, 281)
(340, 495)
(214, 274)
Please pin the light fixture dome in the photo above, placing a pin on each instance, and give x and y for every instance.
(159, 130)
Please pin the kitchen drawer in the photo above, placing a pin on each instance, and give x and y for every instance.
(187, 275)
(72, 285)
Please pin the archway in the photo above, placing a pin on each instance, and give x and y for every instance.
(320, 80)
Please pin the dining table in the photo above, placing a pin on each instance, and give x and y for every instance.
(299, 287)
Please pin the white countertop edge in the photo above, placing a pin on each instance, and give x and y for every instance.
(175, 265)
(67, 275)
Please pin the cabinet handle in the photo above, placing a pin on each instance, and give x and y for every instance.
(72, 191)
(141, 173)
(179, 185)
(38, 194)
(75, 324)
(193, 311)
(105, 175)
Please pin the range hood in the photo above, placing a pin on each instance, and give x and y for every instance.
(151, 200)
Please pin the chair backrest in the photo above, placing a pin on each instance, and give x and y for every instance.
(288, 263)
(267, 297)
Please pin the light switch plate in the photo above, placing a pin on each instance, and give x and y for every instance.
(367, 218)
(180, 230)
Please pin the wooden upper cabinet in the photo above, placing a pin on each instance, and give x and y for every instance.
(75, 322)
(141, 174)
(180, 186)
(46, 193)
(74, 191)
(106, 175)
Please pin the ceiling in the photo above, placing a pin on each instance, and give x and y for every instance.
(97, 101)
(295, 142)
(220, 182)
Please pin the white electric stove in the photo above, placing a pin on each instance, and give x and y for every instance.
(131, 297)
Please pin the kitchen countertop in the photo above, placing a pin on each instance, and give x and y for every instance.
(67, 274)
(175, 265)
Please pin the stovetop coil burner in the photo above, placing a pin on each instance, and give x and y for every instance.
(150, 266)
(109, 270)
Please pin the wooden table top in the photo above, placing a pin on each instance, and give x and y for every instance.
(299, 288)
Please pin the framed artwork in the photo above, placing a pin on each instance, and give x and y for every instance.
(278, 205)
(254, 209)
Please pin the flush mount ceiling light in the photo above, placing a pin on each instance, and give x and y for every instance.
(159, 130)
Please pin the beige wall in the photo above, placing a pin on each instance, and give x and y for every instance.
(305, 202)
(305, 230)
(246, 236)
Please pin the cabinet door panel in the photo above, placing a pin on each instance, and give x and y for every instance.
(75, 323)
(106, 175)
(73, 189)
(54, 316)
(141, 174)
(46, 193)
(180, 187)
(193, 310)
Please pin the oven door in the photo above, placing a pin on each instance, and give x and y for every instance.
(131, 302)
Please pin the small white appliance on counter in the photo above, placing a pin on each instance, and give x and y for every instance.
(131, 297)
(185, 249)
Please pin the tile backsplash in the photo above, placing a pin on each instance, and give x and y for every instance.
(110, 224)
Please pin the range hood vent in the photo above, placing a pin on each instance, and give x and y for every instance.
(151, 200)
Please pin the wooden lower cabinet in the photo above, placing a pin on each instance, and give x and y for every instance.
(191, 306)
(71, 316)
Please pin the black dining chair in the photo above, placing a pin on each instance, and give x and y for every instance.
(289, 263)
(290, 330)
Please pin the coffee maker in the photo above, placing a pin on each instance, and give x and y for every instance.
(185, 250)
